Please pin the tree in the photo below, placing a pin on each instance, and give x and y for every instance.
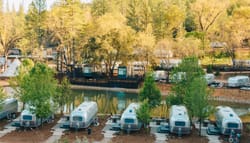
(67, 23)
(63, 94)
(24, 69)
(37, 88)
(100, 7)
(133, 19)
(186, 47)
(115, 39)
(168, 19)
(10, 33)
(234, 29)
(197, 99)
(185, 73)
(150, 92)
(206, 13)
(35, 29)
(143, 113)
(191, 89)
(144, 47)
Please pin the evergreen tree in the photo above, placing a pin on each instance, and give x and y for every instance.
(150, 92)
(183, 75)
(143, 113)
(190, 88)
(35, 27)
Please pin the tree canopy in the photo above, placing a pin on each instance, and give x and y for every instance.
(37, 88)
(124, 31)
(150, 92)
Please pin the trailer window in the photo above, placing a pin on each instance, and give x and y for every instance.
(232, 125)
(129, 120)
(179, 123)
(77, 118)
(27, 117)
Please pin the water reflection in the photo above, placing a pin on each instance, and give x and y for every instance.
(108, 101)
(116, 101)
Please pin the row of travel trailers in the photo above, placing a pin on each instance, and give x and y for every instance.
(81, 117)
(179, 123)
(226, 120)
(86, 114)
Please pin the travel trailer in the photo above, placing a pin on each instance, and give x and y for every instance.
(237, 81)
(83, 115)
(177, 77)
(160, 75)
(209, 78)
(129, 121)
(30, 120)
(227, 120)
(9, 108)
(179, 122)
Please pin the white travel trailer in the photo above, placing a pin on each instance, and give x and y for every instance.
(227, 120)
(30, 120)
(9, 108)
(83, 115)
(160, 75)
(179, 122)
(209, 78)
(177, 77)
(129, 121)
(237, 81)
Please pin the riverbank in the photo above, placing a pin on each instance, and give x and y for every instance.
(219, 94)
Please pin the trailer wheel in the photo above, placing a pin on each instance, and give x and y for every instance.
(231, 140)
(13, 115)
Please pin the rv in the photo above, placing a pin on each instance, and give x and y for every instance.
(238, 81)
(83, 115)
(227, 120)
(179, 122)
(129, 121)
(209, 78)
(160, 75)
(30, 120)
(177, 77)
(9, 108)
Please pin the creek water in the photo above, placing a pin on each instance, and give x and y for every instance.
(117, 101)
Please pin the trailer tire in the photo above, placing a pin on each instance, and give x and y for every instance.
(13, 115)
(230, 140)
